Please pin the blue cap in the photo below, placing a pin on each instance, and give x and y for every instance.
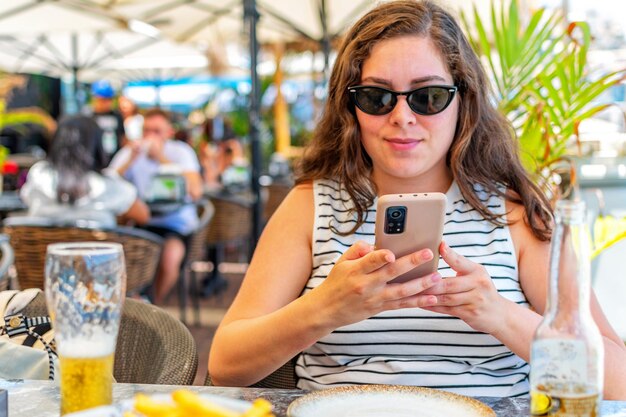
(102, 88)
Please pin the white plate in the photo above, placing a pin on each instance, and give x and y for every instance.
(117, 410)
(386, 400)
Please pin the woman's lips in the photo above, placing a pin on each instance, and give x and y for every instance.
(401, 144)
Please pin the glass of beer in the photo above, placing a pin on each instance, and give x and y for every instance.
(85, 288)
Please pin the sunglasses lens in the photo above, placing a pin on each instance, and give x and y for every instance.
(429, 100)
(374, 100)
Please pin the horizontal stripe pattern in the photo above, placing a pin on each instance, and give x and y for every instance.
(415, 346)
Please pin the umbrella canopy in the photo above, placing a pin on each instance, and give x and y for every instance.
(87, 40)
(213, 21)
(217, 25)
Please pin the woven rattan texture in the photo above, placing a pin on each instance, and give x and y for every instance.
(282, 378)
(152, 346)
(197, 242)
(30, 242)
(232, 221)
(276, 193)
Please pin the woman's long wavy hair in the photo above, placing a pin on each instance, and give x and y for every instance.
(484, 150)
(76, 150)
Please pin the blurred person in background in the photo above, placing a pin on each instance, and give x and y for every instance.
(133, 120)
(182, 134)
(109, 119)
(72, 185)
(222, 156)
(140, 162)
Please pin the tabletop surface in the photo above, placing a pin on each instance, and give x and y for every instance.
(41, 398)
(10, 201)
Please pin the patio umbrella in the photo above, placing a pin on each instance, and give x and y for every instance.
(87, 41)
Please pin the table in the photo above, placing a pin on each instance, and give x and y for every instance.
(9, 202)
(41, 398)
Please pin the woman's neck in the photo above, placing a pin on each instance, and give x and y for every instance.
(432, 182)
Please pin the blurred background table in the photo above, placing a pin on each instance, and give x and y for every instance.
(10, 202)
(41, 398)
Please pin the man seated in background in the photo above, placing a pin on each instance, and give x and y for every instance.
(140, 162)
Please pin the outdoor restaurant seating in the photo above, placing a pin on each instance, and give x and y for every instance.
(276, 193)
(6, 260)
(152, 346)
(196, 251)
(282, 378)
(231, 225)
(29, 237)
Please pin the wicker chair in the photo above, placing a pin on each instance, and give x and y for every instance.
(282, 378)
(276, 193)
(231, 223)
(30, 236)
(5, 263)
(152, 346)
(196, 251)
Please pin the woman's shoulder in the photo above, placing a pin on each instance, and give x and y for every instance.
(41, 175)
(110, 187)
(40, 168)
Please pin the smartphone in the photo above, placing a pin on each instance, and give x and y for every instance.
(406, 223)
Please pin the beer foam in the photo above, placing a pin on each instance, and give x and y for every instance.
(86, 348)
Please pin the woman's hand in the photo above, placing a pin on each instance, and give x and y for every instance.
(470, 295)
(357, 286)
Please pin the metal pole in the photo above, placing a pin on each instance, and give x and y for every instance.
(75, 65)
(157, 88)
(325, 41)
(251, 17)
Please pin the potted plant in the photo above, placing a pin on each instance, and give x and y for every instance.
(541, 79)
(542, 83)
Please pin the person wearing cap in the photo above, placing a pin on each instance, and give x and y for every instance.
(108, 119)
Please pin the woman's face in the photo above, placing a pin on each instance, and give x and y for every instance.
(407, 149)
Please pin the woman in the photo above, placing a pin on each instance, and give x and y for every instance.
(133, 120)
(222, 157)
(327, 294)
(70, 185)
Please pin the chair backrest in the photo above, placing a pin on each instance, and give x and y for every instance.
(30, 237)
(232, 220)
(152, 346)
(6, 261)
(197, 243)
(276, 193)
(282, 378)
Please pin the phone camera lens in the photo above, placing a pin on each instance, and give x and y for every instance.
(396, 214)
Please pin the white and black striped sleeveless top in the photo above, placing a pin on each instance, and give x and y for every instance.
(415, 346)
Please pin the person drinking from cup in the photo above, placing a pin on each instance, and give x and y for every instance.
(139, 162)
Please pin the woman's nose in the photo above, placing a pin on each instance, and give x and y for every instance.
(402, 114)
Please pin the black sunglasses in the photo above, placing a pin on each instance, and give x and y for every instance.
(426, 101)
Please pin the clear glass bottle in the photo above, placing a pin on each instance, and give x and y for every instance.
(567, 353)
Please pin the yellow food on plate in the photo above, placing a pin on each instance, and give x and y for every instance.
(189, 404)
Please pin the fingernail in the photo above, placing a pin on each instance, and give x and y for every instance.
(389, 257)
(426, 255)
(432, 300)
(444, 247)
(435, 277)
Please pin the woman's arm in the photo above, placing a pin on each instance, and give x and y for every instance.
(269, 323)
(138, 213)
(264, 328)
